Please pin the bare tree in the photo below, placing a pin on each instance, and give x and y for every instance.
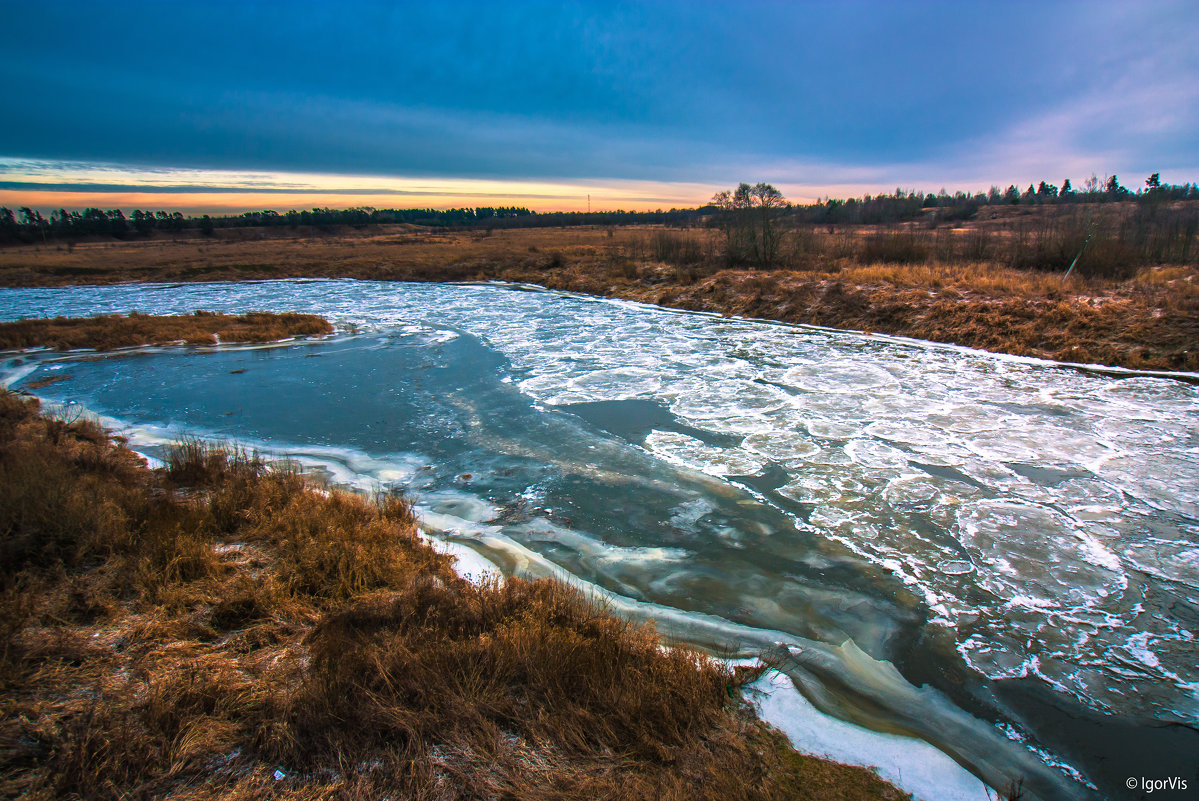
(749, 221)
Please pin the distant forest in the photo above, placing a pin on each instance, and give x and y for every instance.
(27, 225)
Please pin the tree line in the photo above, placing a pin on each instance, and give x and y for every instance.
(29, 225)
(730, 211)
(760, 229)
(905, 205)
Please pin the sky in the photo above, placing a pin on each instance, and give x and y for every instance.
(232, 106)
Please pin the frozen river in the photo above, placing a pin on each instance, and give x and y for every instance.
(995, 555)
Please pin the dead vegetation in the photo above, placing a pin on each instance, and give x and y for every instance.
(975, 285)
(106, 332)
(223, 628)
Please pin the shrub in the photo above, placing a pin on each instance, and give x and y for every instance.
(895, 248)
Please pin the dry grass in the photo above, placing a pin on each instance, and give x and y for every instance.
(116, 331)
(1150, 320)
(382, 253)
(221, 628)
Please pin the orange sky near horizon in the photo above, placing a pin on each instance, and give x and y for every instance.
(237, 202)
(219, 192)
(228, 192)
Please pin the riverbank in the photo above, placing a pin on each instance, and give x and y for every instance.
(221, 627)
(1147, 321)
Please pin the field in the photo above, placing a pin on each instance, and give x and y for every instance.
(975, 284)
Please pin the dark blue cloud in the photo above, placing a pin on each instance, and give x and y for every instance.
(668, 91)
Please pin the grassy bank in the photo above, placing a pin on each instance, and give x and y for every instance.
(223, 628)
(975, 285)
(106, 332)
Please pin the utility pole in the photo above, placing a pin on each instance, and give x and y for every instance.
(588, 202)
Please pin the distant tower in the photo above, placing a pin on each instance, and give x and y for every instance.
(588, 202)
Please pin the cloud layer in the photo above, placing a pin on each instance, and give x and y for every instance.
(810, 96)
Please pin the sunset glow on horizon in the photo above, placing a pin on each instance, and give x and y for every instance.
(231, 203)
(48, 185)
